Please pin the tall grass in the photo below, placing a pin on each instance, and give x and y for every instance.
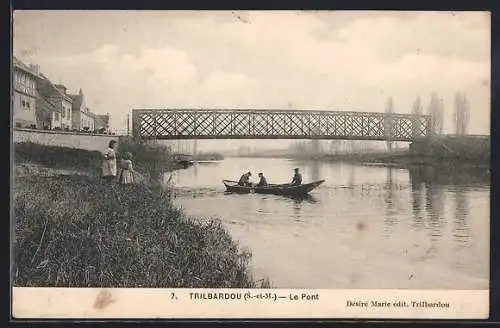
(58, 157)
(73, 232)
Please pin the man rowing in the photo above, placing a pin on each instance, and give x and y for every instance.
(245, 179)
(297, 178)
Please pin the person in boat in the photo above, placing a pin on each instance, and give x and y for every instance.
(297, 178)
(245, 179)
(262, 180)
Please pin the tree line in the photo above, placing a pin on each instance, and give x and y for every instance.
(436, 110)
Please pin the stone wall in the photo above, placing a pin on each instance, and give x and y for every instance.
(64, 139)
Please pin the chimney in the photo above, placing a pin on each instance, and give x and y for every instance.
(61, 88)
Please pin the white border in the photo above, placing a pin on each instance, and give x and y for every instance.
(96, 303)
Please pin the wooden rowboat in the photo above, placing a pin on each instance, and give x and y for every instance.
(285, 189)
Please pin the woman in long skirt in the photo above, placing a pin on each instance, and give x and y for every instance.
(127, 172)
(109, 163)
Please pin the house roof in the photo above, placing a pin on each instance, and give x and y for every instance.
(22, 66)
(44, 106)
(77, 100)
(54, 90)
(55, 87)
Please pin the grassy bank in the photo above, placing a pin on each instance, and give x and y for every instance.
(74, 231)
(437, 154)
(58, 157)
(148, 159)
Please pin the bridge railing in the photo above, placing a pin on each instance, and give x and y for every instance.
(277, 124)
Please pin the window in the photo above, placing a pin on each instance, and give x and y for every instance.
(63, 112)
(17, 80)
(25, 103)
(56, 116)
(30, 87)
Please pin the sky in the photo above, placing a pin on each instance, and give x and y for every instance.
(326, 60)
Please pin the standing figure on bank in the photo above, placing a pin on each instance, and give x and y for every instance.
(127, 171)
(297, 178)
(109, 163)
(245, 179)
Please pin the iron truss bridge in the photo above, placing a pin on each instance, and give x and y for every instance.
(164, 124)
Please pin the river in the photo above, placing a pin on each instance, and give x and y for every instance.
(367, 227)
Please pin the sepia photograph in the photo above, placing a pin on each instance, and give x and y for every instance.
(271, 150)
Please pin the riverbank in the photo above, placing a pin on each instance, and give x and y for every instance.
(71, 230)
(446, 151)
(207, 157)
(406, 159)
(399, 158)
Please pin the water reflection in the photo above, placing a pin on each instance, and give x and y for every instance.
(434, 202)
(458, 183)
(446, 176)
(461, 229)
(350, 181)
(296, 211)
(416, 194)
(315, 175)
(418, 221)
(304, 198)
(389, 198)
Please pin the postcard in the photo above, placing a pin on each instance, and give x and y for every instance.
(251, 164)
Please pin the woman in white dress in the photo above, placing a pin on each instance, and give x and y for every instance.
(127, 172)
(109, 162)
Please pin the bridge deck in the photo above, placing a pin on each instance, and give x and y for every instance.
(277, 124)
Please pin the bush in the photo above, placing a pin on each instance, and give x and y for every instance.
(154, 159)
(73, 232)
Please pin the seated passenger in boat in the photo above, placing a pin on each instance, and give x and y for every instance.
(245, 179)
(262, 181)
(297, 178)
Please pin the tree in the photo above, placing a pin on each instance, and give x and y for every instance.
(389, 109)
(436, 111)
(417, 106)
(417, 110)
(440, 117)
(462, 113)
